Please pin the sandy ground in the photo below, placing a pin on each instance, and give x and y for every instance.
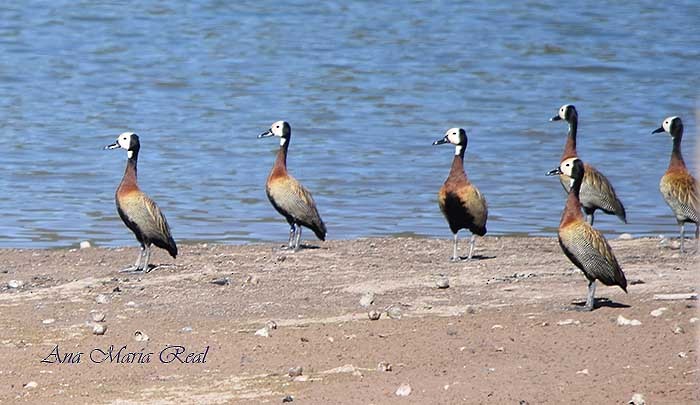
(502, 333)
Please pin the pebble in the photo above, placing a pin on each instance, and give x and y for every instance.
(678, 330)
(98, 316)
(394, 313)
(404, 390)
(374, 315)
(622, 321)
(568, 322)
(186, 329)
(295, 371)
(85, 244)
(625, 236)
(682, 355)
(31, 384)
(637, 399)
(497, 326)
(264, 332)
(140, 336)
(442, 282)
(99, 329)
(367, 300)
(271, 325)
(221, 281)
(384, 366)
(131, 304)
(48, 321)
(14, 284)
(288, 398)
(693, 320)
(102, 299)
(658, 312)
(584, 371)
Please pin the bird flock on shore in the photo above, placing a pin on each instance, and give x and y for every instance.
(460, 201)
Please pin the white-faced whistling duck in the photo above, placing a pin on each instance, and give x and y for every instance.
(138, 211)
(460, 202)
(679, 188)
(584, 246)
(596, 190)
(287, 195)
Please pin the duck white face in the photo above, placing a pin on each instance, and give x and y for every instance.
(671, 125)
(128, 141)
(564, 113)
(567, 166)
(455, 136)
(280, 129)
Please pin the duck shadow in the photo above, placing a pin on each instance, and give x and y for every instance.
(474, 258)
(601, 302)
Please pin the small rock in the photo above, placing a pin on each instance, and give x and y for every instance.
(384, 366)
(31, 384)
(98, 317)
(404, 390)
(374, 315)
(682, 355)
(99, 329)
(330, 339)
(394, 313)
(15, 284)
(48, 321)
(140, 336)
(186, 329)
(102, 299)
(625, 236)
(271, 325)
(497, 326)
(637, 399)
(131, 304)
(301, 378)
(678, 330)
(622, 321)
(295, 371)
(584, 371)
(658, 312)
(500, 349)
(568, 322)
(442, 282)
(221, 281)
(264, 332)
(288, 398)
(367, 300)
(85, 244)
(693, 320)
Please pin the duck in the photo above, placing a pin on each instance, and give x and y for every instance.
(138, 211)
(292, 200)
(462, 204)
(678, 187)
(596, 191)
(585, 246)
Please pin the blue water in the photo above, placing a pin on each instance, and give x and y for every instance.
(366, 88)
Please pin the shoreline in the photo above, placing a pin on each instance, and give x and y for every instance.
(502, 332)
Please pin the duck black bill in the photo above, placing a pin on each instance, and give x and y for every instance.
(441, 141)
(266, 134)
(554, 172)
(555, 118)
(657, 130)
(112, 146)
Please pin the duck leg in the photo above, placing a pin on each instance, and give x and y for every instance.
(590, 300)
(592, 218)
(292, 232)
(682, 235)
(298, 239)
(147, 258)
(455, 258)
(137, 265)
(471, 246)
